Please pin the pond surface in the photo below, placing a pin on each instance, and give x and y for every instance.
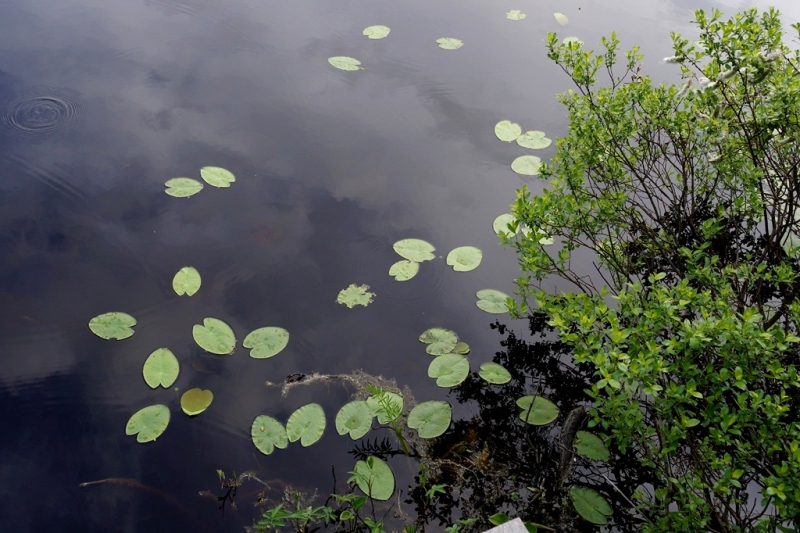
(101, 102)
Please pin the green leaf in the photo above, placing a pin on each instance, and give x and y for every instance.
(527, 165)
(161, 368)
(195, 401)
(499, 518)
(217, 177)
(306, 424)
(494, 373)
(430, 419)
(395, 400)
(449, 369)
(268, 434)
(266, 342)
(345, 63)
(561, 18)
(516, 14)
(355, 295)
(590, 504)
(354, 418)
(591, 446)
(186, 281)
(535, 140)
(492, 301)
(183, 187)
(114, 325)
(461, 347)
(449, 43)
(530, 527)
(541, 413)
(404, 270)
(214, 336)
(377, 32)
(415, 250)
(439, 340)
(464, 258)
(501, 225)
(149, 422)
(375, 478)
(507, 131)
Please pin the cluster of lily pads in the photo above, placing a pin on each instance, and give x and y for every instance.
(450, 366)
(528, 165)
(185, 187)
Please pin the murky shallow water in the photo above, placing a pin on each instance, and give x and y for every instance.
(103, 101)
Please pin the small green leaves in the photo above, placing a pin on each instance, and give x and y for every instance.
(404, 270)
(535, 140)
(415, 250)
(561, 18)
(527, 165)
(186, 281)
(183, 187)
(439, 340)
(268, 434)
(355, 295)
(266, 342)
(149, 422)
(499, 518)
(492, 301)
(591, 446)
(161, 368)
(507, 131)
(516, 14)
(113, 325)
(214, 336)
(449, 369)
(345, 63)
(195, 401)
(494, 373)
(376, 32)
(387, 406)
(464, 258)
(590, 504)
(536, 410)
(306, 424)
(449, 43)
(354, 418)
(430, 419)
(374, 478)
(217, 177)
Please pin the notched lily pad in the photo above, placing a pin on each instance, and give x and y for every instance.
(415, 250)
(354, 418)
(449, 369)
(149, 422)
(114, 325)
(464, 258)
(195, 401)
(461, 348)
(535, 140)
(450, 43)
(494, 373)
(430, 419)
(266, 342)
(355, 295)
(161, 368)
(214, 336)
(507, 131)
(395, 402)
(268, 434)
(591, 446)
(374, 478)
(307, 424)
(591, 505)
(439, 340)
(345, 63)
(501, 225)
(527, 165)
(537, 410)
(183, 187)
(377, 32)
(187, 281)
(492, 301)
(217, 176)
(404, 270)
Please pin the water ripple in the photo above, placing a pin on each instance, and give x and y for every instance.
(41, 112)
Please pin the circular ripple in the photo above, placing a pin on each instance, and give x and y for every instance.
(41, 112)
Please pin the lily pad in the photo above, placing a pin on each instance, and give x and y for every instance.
(536, 410)
(266, 342)
(149, 422)
(492, 301)
(439, 340)
(567, 40)
(374, 478)
(217, 177)
(527, 165)
(355, 295)
(430, 419)
(115, 325)
(306, 424)
(561, 18)
(186, 281)
(214, 336)
(591, 446)
(449, 43)
(345, 63)
(377, 32)
(591, 505)
(461, 348)
(536, 140)
(502, 222)
(161, 368)
(183, 187)
(449, 369)
(354, 418)
(464, 258)
(516, 14)
(415, 250)
(507, 131)
(404, 270)
(494, 373)
(393, 399)
(268, 434)
(195, 401)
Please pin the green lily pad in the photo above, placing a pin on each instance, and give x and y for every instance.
(354, 418)
(449, 369)
(149, 422)
(161, 368)
(527, 165)
(355, 295)
(561, 18)
(591, 505)
(377, 32)
(266, 342)
(439, 340)
(591, 446)
(535, 140)
(536, 410)
(461, 348)
(415, 250)
(374, 478)
(306, 424)
(345, 63)
(502, 222)
(214, 336)
(492, 301)
(186, 281)
(217, 177)
(268, 434)
(449, 43)
(567, 40)
(183, 187)
(430, 419)
(464, 258)
(494, 373)
(115, 325)
(516, 14)
(507, 131)
(404, 270)
(195, 401)
(394, 399)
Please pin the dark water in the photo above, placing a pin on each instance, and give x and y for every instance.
(101, 102)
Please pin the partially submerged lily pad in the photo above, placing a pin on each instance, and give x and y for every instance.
(591, 446)
(354, 418)
(214, 336)
(492, 301)
(307, 424)
(345, 63)
(161, 368)
(187, 281)
(268, 434)
(449, 369)
(464, 258)
(404, 270)
(507, 131)
(527, 165)
(183, 187)
(430, 419)
(415, 250)
(195, 401)
(149, 422)
(439, 340)
(114, 325)
(591, 505)
(535, 140)
(374, 478)
(355, 295)
(561, 18)
(494, 373)
(450, 43)
(537, 410)
(377, 32)
(516, 14)
(217, 176)
(266, 342)
(461, 348)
